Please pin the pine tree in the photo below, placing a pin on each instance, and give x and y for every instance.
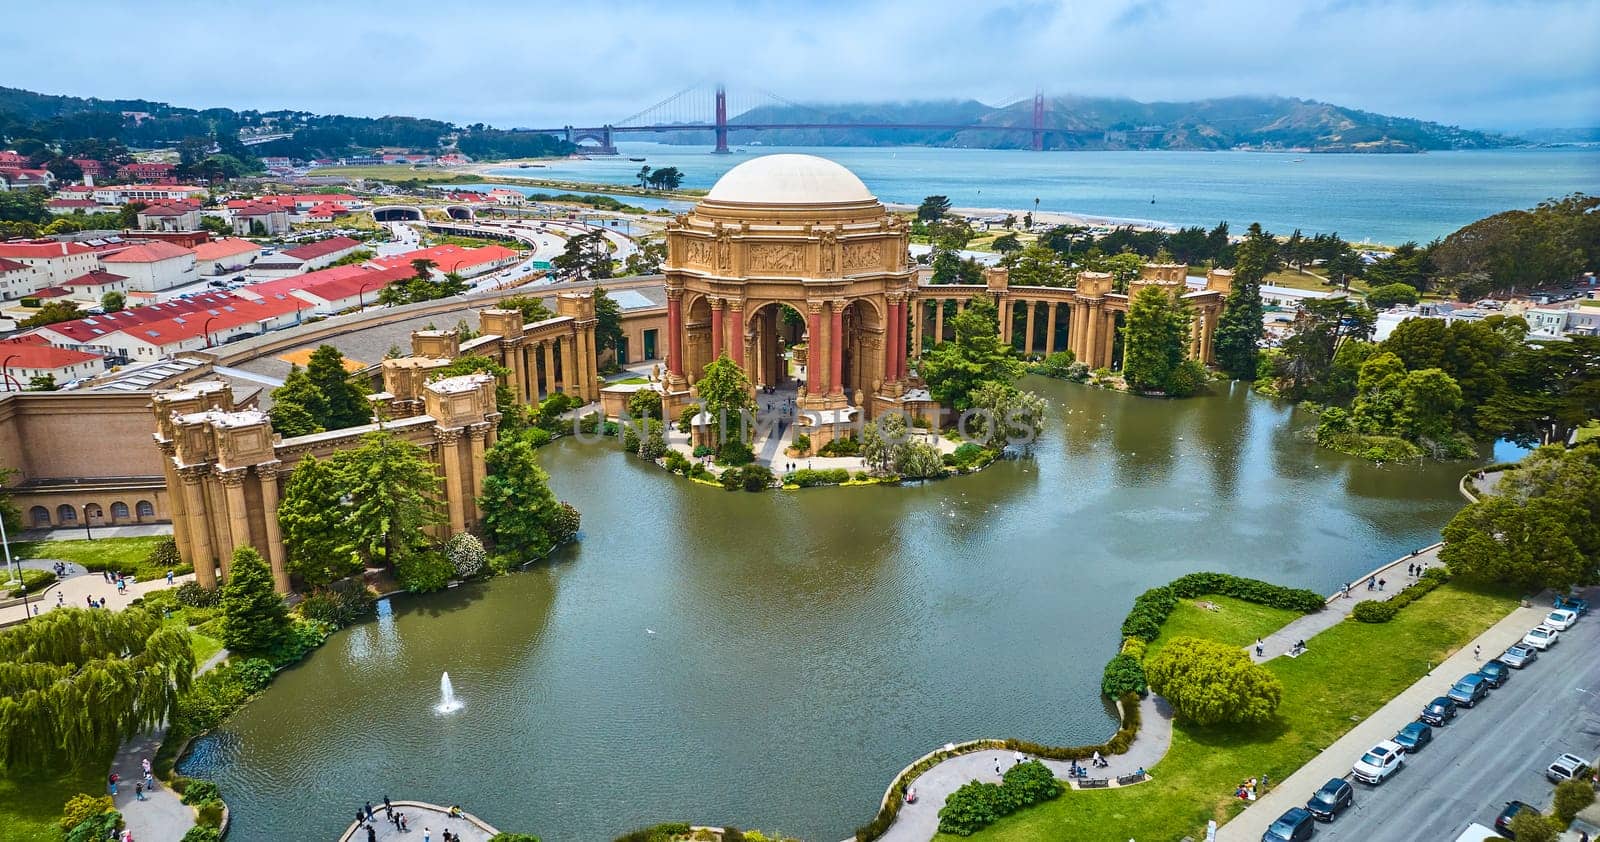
(254, 618)
(1154, 339)
(393, 490)
(520, 513)
(315, 524)
(298, 407)
(345, 403)
(1239, 327)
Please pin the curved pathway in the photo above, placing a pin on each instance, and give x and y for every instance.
(420, 816)
(920, 821)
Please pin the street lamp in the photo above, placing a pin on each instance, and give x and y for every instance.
(14, 565)
(5, 372)
(359, 291)
(89, 533)
(206, 329)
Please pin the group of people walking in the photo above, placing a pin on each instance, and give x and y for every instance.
(366, 815)
(146, 782)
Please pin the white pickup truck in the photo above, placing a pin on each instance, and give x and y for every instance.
(1477, 833)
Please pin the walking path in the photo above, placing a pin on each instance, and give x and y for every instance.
(420, 816)
(920, 821)
(74, 591)
(1282, 641)
(162, 816)
(1334, 761)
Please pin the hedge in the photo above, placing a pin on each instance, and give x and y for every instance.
(1154, 606)
(807, 478)
(1373, 611)
(1123, 674)
(977, 804)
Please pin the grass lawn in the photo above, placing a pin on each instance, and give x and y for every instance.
(1194, 782)
(1236, 621)
(123, 554)
(31, 802)
(1305, 280)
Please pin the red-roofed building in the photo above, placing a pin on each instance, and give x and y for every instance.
(124, 193)
(97, 283)
(322, 252)
(91, 168)
(327, 212)
(9, 158)
(502, 196)
(98, 333)
(24, 358)
(330, 290)
(229, 254)
(170, 216)
(75, 191)
(452, 258)
(153, 266)
(258, 218)
(21, 178)
(61, 207)
(154, 173)
(48, 262)
(238, 318)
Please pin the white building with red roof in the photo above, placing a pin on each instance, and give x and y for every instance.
(502, 196)
(170, 216)
(91, 285)
(329, 291)
(153, 266)
(76, 191)
(252, 218)
(465, 262)
(63, 207)
(101, 333)
(322, 252)
(49, 263)
(23, 178)
(122, 194)
(327, 212)
(229, 254)
(23, 358)
(151, 173)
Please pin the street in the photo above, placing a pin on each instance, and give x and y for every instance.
(1490, 754)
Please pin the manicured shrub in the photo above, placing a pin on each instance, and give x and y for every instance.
(702, 451)
(735, 452)
(1373, 611)
(1209, 683)
(164, 556)
(339, 604)
(303, 637)
(846, 446)
(968, 454)
(466, 554)
(538, 436)
(732, 479)
(197, 791)
(698, 471)
(862, 476)
(513, 837)
(676, 462)
(1033, 782)
(657, 833)
(1123, 674)
(202, 833)
(977, 804)
(565, 524)
(81, 807)
(208, 813)
(1529, 826)
(191, 594)
(654, 445)
(253, 674)
(756, 477)
(1571, 797)
(424, 571)
(808, 478)
(802, 444)
(96, 828)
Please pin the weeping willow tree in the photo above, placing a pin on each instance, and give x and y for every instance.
(75, 682)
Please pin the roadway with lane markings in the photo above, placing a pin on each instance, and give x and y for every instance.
(1490, 754)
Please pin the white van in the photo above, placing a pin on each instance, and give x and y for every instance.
(1477, 833)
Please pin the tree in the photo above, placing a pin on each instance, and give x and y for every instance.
(346, 403)
(423, 267)
(520, 513)
(1239, 327)
(1526, 545)
(254, 618)
(1004, 415)
(314, 523)
(78, 682)
(1530, 826)
(298, 406)
(1210, 683)
(466, 554)
(531, 307)
(1571, 797)
(608, 323)
(51, 312)
(113, 301)
(586, 256)
(647, 259)
(1036, 266)
(1305, 363)
(1154, 339)
(392, 489)
(953, 370)
(933, 208)
(42, 383)
(1388, 295)
(643, 176)
(727, 395)
(1006, 244)
(1551, 388)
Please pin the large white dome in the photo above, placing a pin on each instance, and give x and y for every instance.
(789, 180)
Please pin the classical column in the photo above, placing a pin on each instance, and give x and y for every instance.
(450, 456)
(918, 313)
(816, 379)
(267, 473)
(890, 320)
(1108, 334)
(938, 320)
(675, 331)
(549, 367)
(1050, 331)
(477, 435)
(1005, 320)
(1031, 309)
(716, 328)
(1091, 336)
(511, 352)
(570, 377)
(587, 364)
(175, 501)
(238, 515)
(204, 558)
(1208, 350)
(836, 349)
(736, 332)
(961, 306)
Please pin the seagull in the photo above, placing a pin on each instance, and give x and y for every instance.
(649, 631)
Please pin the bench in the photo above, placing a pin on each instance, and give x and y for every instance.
(1124, 780)
(1093, 783)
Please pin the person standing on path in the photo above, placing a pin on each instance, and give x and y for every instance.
(1477, 652)
(427, 835)
(387, 807)
(372, 835)
(1372, 582)
(169, 578)
(111, 783)
(138, 790)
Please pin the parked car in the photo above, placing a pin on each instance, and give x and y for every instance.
(1495, 672)
(1470, 690)
(1502, 822)
(1519, 656)
(1561, 619)
(1439, 711)
(1380, 761)
(1296, 825)
(1565, 768)
(1572, 603)
(1335, 796)
(1414, 736)
(1541, 637)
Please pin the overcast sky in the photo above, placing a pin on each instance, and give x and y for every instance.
(1476, 63)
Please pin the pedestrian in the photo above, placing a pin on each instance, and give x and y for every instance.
(361, 816)
(1372, 582)
(138, 790)
(144, 764)
(61, 600)
(1477, 652)
(369, 810)
(169, 578)
(1381, 583)
(427, 835)
(1260, 649)
(111, 782)
(997, 767)
(405, 826)
(372, 835)
(387, 807)
(149, 782)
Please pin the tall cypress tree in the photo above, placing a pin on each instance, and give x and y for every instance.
(314, 523)
(298, 407)
(393, 492)
(346, 403)
(1154, 339)
(1239, 327)
(254, 618)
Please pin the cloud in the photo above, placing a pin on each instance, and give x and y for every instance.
(1511, 63)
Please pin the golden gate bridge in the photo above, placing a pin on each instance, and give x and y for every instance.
(699, 109)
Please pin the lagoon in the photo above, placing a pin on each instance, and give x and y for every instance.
(771, 660)
(1376, 198)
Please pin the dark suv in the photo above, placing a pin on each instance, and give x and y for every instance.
(1296, 825)
(1495, 672)
(1438, 712)
(1469, 690)
(1335, 796)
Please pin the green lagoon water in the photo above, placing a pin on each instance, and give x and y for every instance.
(770, 660)
(1379, 198)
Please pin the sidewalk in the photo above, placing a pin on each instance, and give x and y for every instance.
(74, 591)
(162, 816)
(1339, 607)
(1334, 761)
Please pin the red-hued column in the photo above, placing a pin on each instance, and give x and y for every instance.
(736, 343)
(716, 328)
(900, 328)
(814, 369)
(675, 332)
(889, 356)
(836, 350)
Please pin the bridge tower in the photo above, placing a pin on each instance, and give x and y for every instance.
(1038, 122)
(722, 122)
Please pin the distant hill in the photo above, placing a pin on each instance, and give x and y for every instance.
(1579, 135)
(1112, 123)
